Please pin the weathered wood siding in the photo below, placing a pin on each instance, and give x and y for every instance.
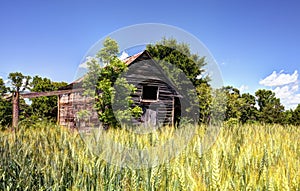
(70, 104)
(144, 71)
(164, 104)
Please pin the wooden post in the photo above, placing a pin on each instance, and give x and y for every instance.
(15, 116)
(16, 97)
(58, 110)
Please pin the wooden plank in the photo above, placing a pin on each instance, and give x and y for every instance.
(15, 112)
(52, 93)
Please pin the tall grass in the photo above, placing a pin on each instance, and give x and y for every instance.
(249, 157)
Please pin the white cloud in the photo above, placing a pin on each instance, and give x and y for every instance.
(283, 92)
(279, 79)
(243, 88)
(289, 95)
(285, 87)
(123, 55)
(295, 87)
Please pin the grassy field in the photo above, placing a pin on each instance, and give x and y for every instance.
(249, 157)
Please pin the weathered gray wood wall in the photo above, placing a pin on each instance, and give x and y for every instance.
(144, 71)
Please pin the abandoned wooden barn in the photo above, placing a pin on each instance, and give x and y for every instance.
(155, 94)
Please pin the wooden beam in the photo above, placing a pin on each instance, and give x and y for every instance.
(52, 93)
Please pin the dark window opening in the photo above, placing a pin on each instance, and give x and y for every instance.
(150, 93)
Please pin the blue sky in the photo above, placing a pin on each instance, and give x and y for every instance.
(255, 43)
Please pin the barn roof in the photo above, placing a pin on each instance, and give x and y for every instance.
(129, 60)
(132, 58)
(145, 55)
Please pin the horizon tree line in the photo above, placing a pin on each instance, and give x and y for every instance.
(263, 107)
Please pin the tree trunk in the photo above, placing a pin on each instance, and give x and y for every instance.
(15, 117)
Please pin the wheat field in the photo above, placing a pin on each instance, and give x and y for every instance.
(248, 157)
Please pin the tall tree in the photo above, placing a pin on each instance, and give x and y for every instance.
(102, 79)
(110, 49)
(270, 108)
(19, 83)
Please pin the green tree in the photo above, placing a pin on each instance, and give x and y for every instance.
(233, 106)
(179, 55)
(204, 93)
(100, 82)
(45, 106)
(287, 118)
(270, 108)
(218, 106)
(5, 106)
(3, 88)
(110, 49)
(90, 80)
(19, 83)
(296, 116)
(248, 110)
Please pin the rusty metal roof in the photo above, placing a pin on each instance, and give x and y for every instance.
(130, 59)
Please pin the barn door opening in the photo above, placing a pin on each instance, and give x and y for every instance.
(177, 111)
